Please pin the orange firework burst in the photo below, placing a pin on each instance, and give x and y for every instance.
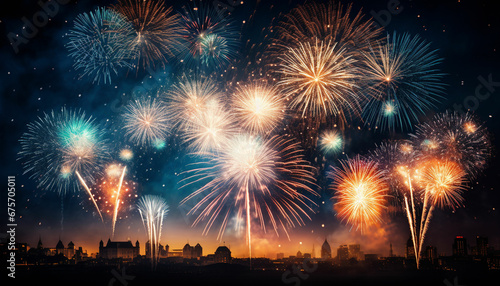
(318, 79)
(258, 107)
(444, 183)
(327, 21)
(157, 29)
(115, 192)
(361, 192)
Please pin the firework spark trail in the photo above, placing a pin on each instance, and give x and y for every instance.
(89, 193)
(249, 225)
(117, 201)
(153, 210)
(443, 183)
(426, 211)
(412, 220)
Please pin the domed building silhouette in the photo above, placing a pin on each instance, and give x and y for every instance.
(222, 255)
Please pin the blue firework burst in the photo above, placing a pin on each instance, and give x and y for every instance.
(403, 82)
(101, 43)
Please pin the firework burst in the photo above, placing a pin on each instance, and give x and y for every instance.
(254, 178)
(157, 30)
(101, 43)
(59, 144)
(318, 80)
(63, 151)
(258, 107)
(329, 22)
(146, 121)
(331, 142)
(456, 137)
(209, 38)
(403, 81)
(190, 98)
(361, 192)
(153, 209)
(444, 183)
(210, 130)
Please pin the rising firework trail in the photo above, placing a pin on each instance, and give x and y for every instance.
(117, 200)
(153, 209)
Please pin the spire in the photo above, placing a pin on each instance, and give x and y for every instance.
(39, 245)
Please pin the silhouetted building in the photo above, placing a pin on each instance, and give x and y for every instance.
(59, 247)
(198, 251)
(68, 252)
(371, 257)
(326, 251)
(482, 245)
(355, 251)
(410, 249)
(222, 255)
(162, 252)
(189, 251)
(299, 254)
(431, 253)
(280, 255)
(342, 252)
(460, 246)
(40, 244)
(119, 249)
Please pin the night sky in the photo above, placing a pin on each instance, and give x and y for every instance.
(40, 77)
